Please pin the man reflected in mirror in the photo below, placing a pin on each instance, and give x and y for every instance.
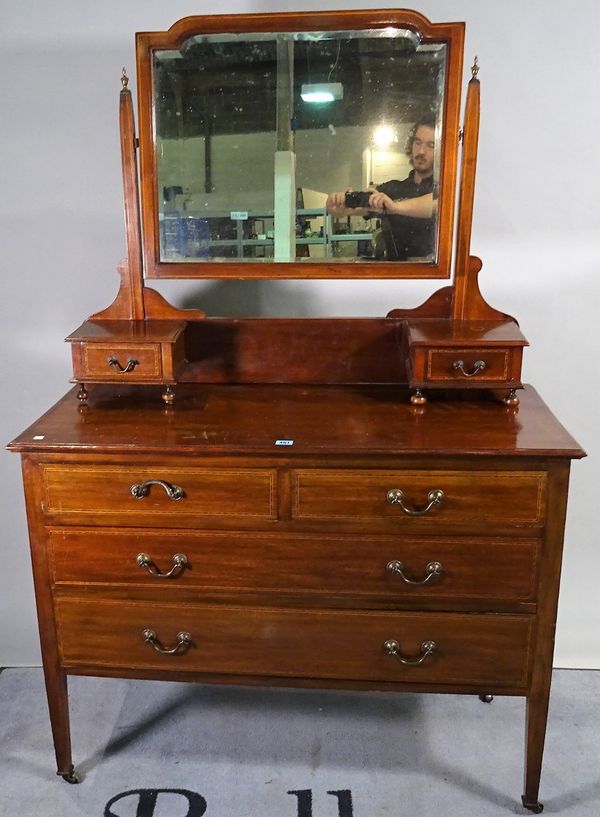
(407, 208)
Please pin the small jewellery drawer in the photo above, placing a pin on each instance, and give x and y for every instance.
(467, 365)
(421, 500)
(126, 362)
(134, 494)
(393, 647)
(464, 354)
(323, 568)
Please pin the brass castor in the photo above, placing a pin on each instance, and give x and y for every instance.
(537, 807)
(418, 398)
(511, 399)
(486, 699)
(70, 777)
(82, 394)
(168, 396)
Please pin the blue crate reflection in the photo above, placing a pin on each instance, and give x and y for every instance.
(170, 236)
(184, 236)
(195, 237)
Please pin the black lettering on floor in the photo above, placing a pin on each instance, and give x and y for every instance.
(146, 801)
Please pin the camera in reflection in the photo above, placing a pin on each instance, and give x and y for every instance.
(358, 198)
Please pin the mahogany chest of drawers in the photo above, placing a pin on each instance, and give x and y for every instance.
(383, 546)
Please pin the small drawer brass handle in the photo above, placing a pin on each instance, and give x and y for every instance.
(391, 647)
(183, 642)
(131, 364)
(433, 570)
(142, 489)
(478, 367)
(180, 561)
(435, 497)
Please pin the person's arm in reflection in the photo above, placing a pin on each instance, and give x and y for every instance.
(419, 207)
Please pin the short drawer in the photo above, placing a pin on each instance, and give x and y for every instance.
(467, 649)
(323, 568)
(127, 362)
(464, 354)
(468, 365)
(132, 493)
(411, 500)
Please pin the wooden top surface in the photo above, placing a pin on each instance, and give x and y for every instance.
(128, 331)
(461, 333)
(250, 419)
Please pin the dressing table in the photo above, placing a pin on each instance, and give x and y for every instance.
(368, 504)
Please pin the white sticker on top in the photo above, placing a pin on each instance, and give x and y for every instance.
(39, 436)
(284, 442)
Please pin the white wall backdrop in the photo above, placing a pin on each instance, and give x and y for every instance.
(537, 229)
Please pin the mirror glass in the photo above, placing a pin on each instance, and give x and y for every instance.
(259, 137)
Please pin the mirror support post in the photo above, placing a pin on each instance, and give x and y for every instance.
(462, 267)
(467, 302)
(129, 303)
(134, 301)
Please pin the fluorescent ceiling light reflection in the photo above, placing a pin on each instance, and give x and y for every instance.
(383, 136)
(320, 92)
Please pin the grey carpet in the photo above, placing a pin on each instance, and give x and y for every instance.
(239, 751)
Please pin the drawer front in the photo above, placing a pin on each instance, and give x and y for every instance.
(140, 361)
(441, 365)
(104, 490)
(318, 566)
(469, 649)
(470, 498)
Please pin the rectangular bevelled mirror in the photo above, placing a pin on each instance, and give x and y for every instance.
(299, 145)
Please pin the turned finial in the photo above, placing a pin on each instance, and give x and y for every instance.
(474, 68)
(124, 79)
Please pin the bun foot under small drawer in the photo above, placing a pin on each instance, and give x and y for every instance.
(429, 648)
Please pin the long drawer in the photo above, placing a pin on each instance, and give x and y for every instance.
(138, 493)
(390, 567)
(420, 500)
(466, 648)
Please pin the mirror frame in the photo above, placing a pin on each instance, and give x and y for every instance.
(452, 34)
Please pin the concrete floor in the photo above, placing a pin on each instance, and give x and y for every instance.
(241, 752)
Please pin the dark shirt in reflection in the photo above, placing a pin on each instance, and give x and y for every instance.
(406, 237)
